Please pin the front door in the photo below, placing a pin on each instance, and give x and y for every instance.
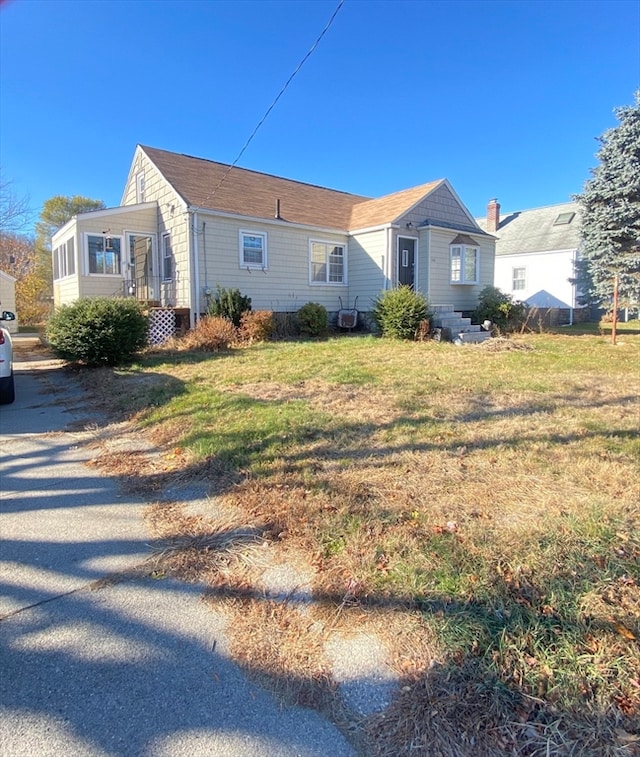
(406, 261)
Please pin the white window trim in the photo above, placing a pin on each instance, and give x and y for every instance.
(85, 250)
(252, 266)
(523, 279)
(328, 283)
(65, 259)
(463, 252)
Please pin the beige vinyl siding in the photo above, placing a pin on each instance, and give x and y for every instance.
(284, 285)
(441, 291)
(66, 290)
(8, 300)
(140, 218)
(171, 217)
(367, 265)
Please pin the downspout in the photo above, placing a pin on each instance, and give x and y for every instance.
(195, 312)
(428, 260)
(573, 289)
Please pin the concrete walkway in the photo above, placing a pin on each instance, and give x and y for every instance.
(135, 667)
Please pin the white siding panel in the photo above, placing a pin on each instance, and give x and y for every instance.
(548, 271)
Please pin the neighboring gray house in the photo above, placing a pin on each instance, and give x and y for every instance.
(536, 251)
(188, 224)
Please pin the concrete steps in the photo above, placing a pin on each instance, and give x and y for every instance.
(454, 328)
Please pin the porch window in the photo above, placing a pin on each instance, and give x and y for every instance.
(464, 263)
(253, 249)
(326, 263)
(71, 257)
(103, 253)
(519, 279)
(167, 258)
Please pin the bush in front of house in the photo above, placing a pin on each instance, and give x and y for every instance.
(400, 313)
(505, 313)
(230, 304)
(211, 334)
(99, 331)
(313, 319)
(256, 326)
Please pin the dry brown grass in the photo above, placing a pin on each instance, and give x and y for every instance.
(487, 528)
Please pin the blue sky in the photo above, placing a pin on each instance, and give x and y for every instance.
(502, 97)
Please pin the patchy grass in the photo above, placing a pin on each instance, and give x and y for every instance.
(483, 500)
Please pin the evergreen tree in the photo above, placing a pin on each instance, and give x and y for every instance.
(611, 216)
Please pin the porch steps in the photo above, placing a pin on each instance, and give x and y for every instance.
(455, 328)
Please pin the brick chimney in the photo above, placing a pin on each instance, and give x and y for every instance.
(493, 216)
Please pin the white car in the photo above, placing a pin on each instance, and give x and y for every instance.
(7, 387)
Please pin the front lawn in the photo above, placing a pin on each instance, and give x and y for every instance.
(477, 506)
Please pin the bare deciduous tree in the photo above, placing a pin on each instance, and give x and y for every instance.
(15, 212)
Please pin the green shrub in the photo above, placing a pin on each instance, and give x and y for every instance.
(211, 334)
(100, 331)
(399, 313)
(313, 319)
(230, 304)
(501, 309)
(256, 326)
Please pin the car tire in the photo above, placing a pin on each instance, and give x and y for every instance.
(7, 390)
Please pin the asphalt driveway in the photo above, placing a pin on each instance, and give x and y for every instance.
(128, 667)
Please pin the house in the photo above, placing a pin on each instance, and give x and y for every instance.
(188, 224)
(8, 299)
(536, 251)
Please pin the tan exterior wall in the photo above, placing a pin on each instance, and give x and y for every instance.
(441, 290)
(171, 218)
(284, 285)
(8, 300)
(368, 264)
(66, 291)
(82, 284)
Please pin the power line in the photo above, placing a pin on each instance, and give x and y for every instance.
(273, 104)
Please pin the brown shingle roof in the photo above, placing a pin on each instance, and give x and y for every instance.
(390, 207)
(254, 194)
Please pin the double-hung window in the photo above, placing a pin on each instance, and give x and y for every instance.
(519, 279)
(103, 254)
(326, 263)
(167, 258)
(464, 263)
(253, 249)
(64, 260)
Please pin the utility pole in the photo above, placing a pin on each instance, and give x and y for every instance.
(614, 325)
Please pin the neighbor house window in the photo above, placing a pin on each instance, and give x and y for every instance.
(167, 258)
(519, 278)
(464, 263)
(253, 249)
(103, 253)
(326, 263)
